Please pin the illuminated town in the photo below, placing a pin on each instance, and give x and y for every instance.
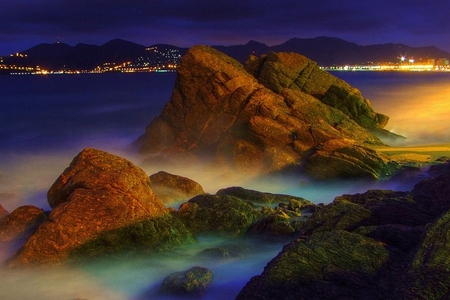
(159, 59)
(162, 59)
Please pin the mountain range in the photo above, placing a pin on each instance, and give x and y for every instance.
(326, 51)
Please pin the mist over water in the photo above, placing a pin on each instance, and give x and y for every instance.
(417, 103)
(46, 121)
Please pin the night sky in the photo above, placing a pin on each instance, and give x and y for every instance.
(26, 23)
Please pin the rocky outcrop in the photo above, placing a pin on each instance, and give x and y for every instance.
(171, 188)
(295, 117)
(279, 71)
(101, 204)
(22, 221)
(375, 245)
(192, 282)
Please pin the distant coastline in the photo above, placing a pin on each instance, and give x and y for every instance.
(117, 55)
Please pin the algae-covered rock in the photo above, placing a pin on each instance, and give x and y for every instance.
(430, 268)
(315, 268)
(222, 215)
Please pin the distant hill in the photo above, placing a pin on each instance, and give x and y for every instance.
(333, 51)
(325, 50)
(87, 57)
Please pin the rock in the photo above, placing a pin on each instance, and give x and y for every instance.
(3, 212)
(99, 202)
(21, 222)
(279, 71)
(314, 268)
(430, 268)
(193, 282)
(171, 188)
(374, 245)
(344, 159)
(257, 197)
(219, 114)
(218, 215)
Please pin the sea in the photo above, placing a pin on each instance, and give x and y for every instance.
(45, 121)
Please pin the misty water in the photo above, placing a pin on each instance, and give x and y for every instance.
(47, 120)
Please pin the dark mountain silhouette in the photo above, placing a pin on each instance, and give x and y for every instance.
(328, 51)
(324, 50)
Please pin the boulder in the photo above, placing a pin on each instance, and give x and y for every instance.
(192, 282)
(221, 114)
(171, 188)
(218, 215)
(101, 204)
(21, 222)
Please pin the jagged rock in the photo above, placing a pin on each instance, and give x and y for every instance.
(99, 201)
(3, 212)
(218, 215)
(173, 188)
(374, 245)
(193, 282)
(279, 71)
(218, 111)
(22, 221)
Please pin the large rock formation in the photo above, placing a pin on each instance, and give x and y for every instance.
(375, 245)
(101, 204)
(295, 116)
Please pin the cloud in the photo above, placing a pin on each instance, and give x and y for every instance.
(222, 21)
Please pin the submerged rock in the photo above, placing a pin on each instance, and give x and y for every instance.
(173, 188)
(101, 204)
(220, 113)
(193, 282)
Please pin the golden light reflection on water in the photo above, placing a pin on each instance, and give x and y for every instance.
(419, 112)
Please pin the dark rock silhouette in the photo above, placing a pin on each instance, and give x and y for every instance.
(218, 111)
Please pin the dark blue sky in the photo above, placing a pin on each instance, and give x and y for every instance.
(25, 23)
